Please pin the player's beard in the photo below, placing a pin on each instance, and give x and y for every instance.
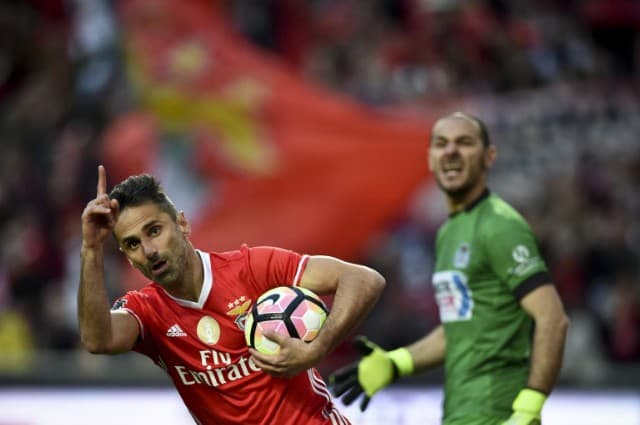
(176, 259)
(177, 265)
(460, 192)
(457, 193)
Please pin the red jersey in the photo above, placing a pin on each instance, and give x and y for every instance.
(201, 344)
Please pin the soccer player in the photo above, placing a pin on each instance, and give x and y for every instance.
(189, 319)
(503, 325)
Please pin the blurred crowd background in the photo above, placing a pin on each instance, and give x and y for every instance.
(555, 80)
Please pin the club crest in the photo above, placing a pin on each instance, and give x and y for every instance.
(462, 256)
(239, 308)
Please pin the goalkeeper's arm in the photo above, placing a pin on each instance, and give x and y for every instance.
(379, 368)
(551, 322)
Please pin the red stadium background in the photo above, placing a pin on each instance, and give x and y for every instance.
(291, 163)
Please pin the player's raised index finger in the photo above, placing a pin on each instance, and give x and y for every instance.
(102, 180)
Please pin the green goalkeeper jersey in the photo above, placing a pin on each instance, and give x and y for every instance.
(487, 259)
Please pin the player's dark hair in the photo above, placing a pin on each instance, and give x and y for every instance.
(143, 189)
(484, 132)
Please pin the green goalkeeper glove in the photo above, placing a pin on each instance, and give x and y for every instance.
(374, 371)
(526, 408)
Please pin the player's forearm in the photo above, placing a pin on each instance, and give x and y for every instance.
(93, 306)
(548, 346)
(428, 351)
(355, 296)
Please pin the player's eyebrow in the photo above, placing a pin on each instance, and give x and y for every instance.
(147, 225)
(457, 138)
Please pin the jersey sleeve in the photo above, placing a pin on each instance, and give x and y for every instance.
(270, 267)
(132, 303)
(514, 256)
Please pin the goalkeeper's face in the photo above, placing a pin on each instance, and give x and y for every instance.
(154, 242)
(458, 158)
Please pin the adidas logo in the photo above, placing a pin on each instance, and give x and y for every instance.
(176, 330)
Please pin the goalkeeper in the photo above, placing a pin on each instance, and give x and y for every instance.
(503, 325)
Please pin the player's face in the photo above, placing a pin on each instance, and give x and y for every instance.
(458, 158)
(153, 242)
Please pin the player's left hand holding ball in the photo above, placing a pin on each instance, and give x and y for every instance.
(526, 408)
(293, 357)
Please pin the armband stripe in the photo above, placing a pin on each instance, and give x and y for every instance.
(531, 283)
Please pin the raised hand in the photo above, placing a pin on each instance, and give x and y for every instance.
(100, 215)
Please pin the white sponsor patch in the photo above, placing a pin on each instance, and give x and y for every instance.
(453, 295)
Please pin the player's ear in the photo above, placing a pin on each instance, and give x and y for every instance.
(183, 223)
(431, 160)
(490, 156)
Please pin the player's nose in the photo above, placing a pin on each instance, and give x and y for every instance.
(149, 249)
(450, 149)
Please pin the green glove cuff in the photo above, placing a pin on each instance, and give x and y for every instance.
(403, 360)
(529, 401)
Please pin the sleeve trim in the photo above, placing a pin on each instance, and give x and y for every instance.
(531, 283)
(131, 312)
(302, 265)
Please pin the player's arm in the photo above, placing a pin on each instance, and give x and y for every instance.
(356, 288)
(551, 323)
(100, 330)
(543, 304)
(428, 352)
(378, 368)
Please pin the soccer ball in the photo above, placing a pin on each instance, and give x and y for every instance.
(292, 311)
